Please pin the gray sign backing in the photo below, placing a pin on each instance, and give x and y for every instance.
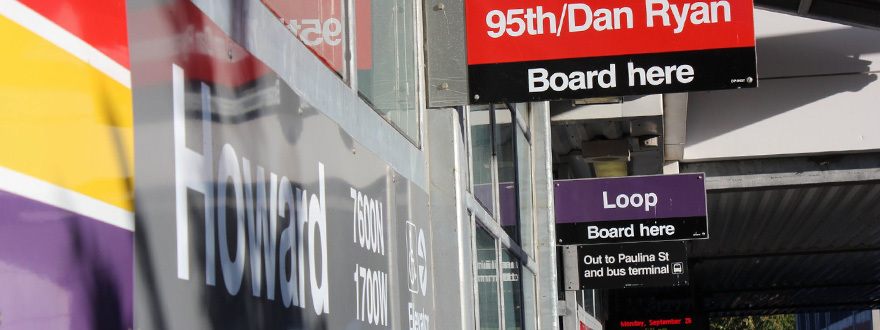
(254, 210)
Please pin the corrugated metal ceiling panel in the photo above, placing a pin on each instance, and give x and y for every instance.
(790, 249)
(791, 220)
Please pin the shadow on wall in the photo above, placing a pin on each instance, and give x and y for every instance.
(104, 294)
(796, 70)
(818, 53)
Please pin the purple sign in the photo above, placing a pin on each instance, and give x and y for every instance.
(630, 198)
(631, 209)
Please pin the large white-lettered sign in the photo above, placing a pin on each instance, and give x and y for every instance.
(524, 50)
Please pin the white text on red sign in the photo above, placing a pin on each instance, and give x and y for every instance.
(580, 17)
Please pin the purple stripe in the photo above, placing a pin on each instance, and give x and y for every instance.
(588, 200)
(62, 270)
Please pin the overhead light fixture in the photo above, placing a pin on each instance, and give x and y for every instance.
(598, 100)
(610, 169)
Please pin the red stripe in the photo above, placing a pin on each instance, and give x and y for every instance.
(100, 23)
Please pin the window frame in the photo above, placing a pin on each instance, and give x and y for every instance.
(482, 219)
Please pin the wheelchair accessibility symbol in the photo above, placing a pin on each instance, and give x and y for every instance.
(416, 259)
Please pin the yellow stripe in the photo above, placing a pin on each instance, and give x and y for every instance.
(62, 120)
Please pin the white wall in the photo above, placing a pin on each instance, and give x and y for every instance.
(818, 92)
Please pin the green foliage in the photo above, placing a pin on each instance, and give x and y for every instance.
(762, 322)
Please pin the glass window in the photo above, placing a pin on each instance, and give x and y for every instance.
(487, 281)
(320, 25)
(482, 169)
(511, 272)
(506, 159)
(386, 72)
(502, 181)
(588, 302)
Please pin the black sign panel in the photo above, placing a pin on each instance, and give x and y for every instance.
(659, 322)
(631, 265)
(639, 74)
(644, 230)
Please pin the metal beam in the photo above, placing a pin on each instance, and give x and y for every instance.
(674, 125)
(445, 57)
(545, 225)
(788, 171)
(793, 287)
(865, 304)
(492, 226)
(804, 7)
(784, 254)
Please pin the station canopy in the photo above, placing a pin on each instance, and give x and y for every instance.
(787, 235)
(805, 238)
(802, 238)
(862, 13)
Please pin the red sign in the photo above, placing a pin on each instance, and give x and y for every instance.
(545, 31)
(528, 30)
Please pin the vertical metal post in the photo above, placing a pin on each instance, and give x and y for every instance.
(545, 219)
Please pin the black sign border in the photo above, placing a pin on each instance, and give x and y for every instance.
(687, 228)
(714, 69)
(621, 282)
